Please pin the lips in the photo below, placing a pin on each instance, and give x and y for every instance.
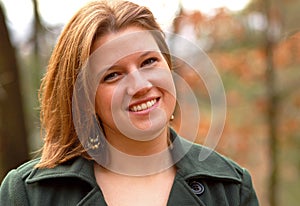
(143, 105)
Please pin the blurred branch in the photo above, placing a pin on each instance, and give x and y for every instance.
(38, 29)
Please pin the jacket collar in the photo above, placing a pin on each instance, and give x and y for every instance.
(78, 168)
(185, 155)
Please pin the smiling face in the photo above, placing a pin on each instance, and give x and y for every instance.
(136, 94)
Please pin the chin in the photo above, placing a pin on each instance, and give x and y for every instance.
(146, 132)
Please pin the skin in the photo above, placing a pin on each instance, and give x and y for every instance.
(131, 71)
(137, 74)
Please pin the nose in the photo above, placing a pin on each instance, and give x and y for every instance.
(138, 85)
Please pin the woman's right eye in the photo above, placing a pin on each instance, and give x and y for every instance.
(111, 76)
(149, 61)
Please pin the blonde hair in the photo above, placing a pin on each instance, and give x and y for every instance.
(70, 53)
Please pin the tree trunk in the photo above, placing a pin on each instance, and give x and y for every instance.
(38, 28)
(272, 126)
(13, 134)
(273, 34)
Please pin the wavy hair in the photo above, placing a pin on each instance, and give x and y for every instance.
(72, 50)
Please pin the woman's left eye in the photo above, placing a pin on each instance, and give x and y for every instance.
(149, 61)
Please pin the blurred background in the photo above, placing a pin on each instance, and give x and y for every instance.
(254, 45)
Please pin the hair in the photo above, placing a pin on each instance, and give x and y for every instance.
(72, 50)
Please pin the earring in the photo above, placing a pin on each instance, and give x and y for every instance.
(172, 117)
(93, 143)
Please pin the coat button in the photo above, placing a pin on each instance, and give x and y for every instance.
(196, 187)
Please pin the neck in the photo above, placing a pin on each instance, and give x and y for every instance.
(138, 158)
(135, 147)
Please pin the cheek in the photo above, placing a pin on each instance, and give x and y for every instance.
(102, 101)
(170, 102)
(108, 98)
(166, 83)
(170, 93)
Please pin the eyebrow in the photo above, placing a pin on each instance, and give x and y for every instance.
(103, 71)
(147, 53)
(107, 68)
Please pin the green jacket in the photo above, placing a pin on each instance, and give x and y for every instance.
(215, 181)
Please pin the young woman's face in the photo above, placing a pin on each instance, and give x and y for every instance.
(136, 93)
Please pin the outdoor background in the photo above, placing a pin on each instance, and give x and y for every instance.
(254, 45)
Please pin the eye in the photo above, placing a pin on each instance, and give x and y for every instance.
(149, 61)
(111, 76)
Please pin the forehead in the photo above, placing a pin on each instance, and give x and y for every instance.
(128, 35)
(112, 47)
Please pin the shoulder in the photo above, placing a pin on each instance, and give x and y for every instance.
(77, 168)
(20, 172)
(28, 185)
(201, 160)
(12, 190)
(195, 159)
(27, 167)
(217, 175)
(205, 163)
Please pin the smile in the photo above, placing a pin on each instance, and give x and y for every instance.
(143, 106)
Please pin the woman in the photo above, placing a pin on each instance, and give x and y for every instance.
(106, 101)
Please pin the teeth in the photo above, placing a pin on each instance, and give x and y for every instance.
(149, 104)
(143, 106)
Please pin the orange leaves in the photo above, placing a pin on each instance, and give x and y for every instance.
(246, 64)
(287, 52)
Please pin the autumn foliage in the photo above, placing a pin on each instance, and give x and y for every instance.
(239, 54)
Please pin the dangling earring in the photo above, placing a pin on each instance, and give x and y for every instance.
(172, 117)
(93, 143)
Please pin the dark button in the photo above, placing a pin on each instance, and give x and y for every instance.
(196, 187)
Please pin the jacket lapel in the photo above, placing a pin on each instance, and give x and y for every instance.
(95, 197)
(181, 194)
